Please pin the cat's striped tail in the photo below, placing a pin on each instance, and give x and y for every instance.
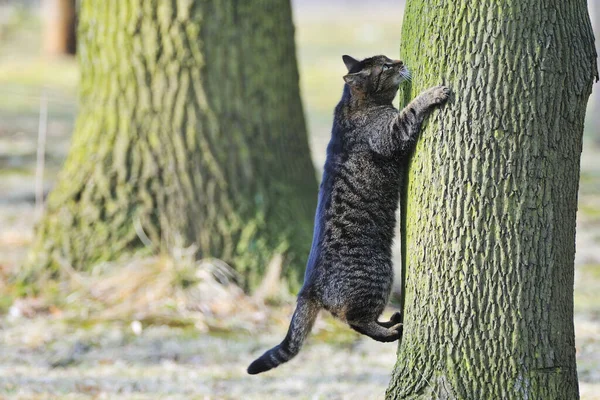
(302, 322)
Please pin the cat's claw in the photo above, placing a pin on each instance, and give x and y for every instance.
(397, 329)
(439, 94)
(396, 318)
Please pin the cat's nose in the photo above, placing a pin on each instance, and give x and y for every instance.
(398, 62)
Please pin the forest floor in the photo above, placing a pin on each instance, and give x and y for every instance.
(95, 338)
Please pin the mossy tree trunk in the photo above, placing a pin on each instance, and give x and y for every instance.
(190, 132)
(491, 199)
(595, 110)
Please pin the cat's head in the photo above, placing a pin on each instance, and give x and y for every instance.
(377, 78)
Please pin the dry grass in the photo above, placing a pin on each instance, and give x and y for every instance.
(173, 290)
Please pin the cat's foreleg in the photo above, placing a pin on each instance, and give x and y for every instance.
(404, 128)
(409, 120)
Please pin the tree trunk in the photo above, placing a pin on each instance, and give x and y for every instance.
(595, 109)
(491, 197)
(59, 27)
(190, 131)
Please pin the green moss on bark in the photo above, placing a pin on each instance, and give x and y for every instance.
(491, 199)
(190, 132)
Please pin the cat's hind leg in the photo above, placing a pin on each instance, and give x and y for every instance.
(376, 331)
(394, 320)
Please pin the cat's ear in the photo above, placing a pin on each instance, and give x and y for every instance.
(349, 61)
(358, 79)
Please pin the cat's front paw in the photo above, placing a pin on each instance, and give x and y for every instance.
(439, 94)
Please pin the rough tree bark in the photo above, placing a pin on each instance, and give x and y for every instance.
(59, 27)
(190, 131)
(491, 199)
(595, 110)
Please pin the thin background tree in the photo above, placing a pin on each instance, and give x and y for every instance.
(59, 19)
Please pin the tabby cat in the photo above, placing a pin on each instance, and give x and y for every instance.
(349, 271)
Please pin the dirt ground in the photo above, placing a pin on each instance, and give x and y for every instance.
(44, 359)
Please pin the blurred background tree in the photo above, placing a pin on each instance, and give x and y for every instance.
(490, 208)
(59, 34)
(190, 132)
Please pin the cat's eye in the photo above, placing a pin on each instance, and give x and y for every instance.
(386, 67)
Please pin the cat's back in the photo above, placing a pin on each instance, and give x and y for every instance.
(358, 198)
(360, 194)
(353, 168)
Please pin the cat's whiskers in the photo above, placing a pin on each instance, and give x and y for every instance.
(405, 74)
